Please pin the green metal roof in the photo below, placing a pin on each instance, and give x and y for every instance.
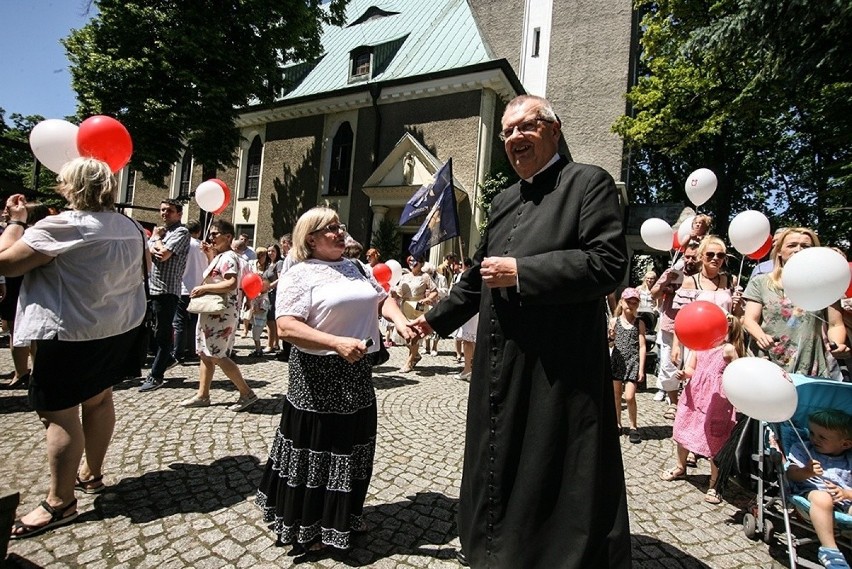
(416, 37)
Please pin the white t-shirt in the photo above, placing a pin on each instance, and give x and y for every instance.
(92, 289)
(196, 262)
(333, 297)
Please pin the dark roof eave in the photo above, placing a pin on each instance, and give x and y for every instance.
(501, 64)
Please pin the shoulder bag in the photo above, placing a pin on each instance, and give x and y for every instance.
(210, 303)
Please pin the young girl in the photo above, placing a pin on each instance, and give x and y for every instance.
(705, 417)
(628, 358)
(259, 307)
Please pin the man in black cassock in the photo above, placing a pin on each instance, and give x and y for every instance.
(543, 482)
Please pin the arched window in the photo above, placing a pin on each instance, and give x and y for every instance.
(341, 161)
(185, 175)
(253, 160)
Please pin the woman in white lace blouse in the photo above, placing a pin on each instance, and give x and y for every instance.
(321, 461)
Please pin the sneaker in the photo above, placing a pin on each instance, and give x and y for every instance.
(268, 350)
(634, 436)
(151, 383)
(463, 376)
(244, 402)
(195, 401)
(831, 557)
(660, 396)
(434, 352)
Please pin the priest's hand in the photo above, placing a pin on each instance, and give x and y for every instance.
(421, 327)
(499, 272)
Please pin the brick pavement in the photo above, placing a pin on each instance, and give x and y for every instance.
(182, 481)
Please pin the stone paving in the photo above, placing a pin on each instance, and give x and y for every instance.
(182, 481)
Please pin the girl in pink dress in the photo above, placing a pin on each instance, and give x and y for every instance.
(705, 417)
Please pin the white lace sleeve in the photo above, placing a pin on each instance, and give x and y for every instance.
(294, 295)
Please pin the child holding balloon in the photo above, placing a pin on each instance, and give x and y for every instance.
(259, 306)
(705, 417)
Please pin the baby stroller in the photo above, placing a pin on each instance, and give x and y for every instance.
(773, 502)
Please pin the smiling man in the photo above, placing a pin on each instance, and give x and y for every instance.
(543, 485)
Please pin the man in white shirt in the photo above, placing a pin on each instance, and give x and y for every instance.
(185, 322)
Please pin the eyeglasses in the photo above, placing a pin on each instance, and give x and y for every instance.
(719, 255)
(332, 228)
(213, 234)
(525, 127)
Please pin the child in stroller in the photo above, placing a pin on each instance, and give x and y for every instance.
(821, 471)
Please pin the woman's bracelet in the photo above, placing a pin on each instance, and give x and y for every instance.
(16, 222)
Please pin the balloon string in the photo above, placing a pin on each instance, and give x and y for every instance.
(209, 225)
(804, 446)
(740, 275)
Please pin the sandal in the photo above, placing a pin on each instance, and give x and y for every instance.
(21, 382)
(57, 518)
(712, 497)
(691, 460)
(676, 473)
(93, 485)
(670, 412)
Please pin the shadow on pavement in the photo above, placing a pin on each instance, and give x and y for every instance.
(392, 381)
(14, 402)
(650, 552)
(421, 525)
(184, 488)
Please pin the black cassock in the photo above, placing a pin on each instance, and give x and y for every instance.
(543, 482)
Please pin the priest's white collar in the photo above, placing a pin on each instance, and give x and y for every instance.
(546, 166)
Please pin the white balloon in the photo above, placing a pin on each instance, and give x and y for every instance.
(54, 143)
(815, 278)
(396, 271)
(748, 231)
(209, 196)
(700, 186)
(760, 389)
(657, 234)
(685, 229)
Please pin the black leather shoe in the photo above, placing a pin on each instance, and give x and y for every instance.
(462, 558)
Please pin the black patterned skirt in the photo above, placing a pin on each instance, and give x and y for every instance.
(321, 461)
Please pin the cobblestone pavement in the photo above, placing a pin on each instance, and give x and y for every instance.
(182, 481)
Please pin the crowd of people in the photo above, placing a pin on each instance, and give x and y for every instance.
(525, 500)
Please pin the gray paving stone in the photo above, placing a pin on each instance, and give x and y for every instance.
(182, 481)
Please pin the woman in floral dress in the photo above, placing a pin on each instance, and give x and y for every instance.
(214, 331)
(791, 336)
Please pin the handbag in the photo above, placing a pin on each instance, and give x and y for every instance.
(208, 304)
(382, 355)
(412, 309)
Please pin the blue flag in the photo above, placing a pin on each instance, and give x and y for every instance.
(442, 223)
(424, 198)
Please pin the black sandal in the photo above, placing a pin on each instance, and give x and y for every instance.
(57, 518)
(86, 486)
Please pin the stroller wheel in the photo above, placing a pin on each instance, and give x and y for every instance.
(768, 532)
(750, 526)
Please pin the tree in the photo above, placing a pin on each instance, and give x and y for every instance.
(176, 74)
(757, 91)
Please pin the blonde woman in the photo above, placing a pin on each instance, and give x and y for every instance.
(80, 307)
(321, 460)
(789, 335)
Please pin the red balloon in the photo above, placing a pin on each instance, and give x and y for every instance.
(848, 293)
(675, 241)
(252, 285)
(763, 251)
(106, 139)
(385, 286)
(227, 199)
(382, 273)
(701, 325)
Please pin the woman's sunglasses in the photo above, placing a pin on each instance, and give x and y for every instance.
(719, 255)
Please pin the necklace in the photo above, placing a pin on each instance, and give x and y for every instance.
(715, 280)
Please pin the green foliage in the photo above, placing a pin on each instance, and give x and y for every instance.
(759, 91)
(177, 73)
(387, 239)
(499, 179)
